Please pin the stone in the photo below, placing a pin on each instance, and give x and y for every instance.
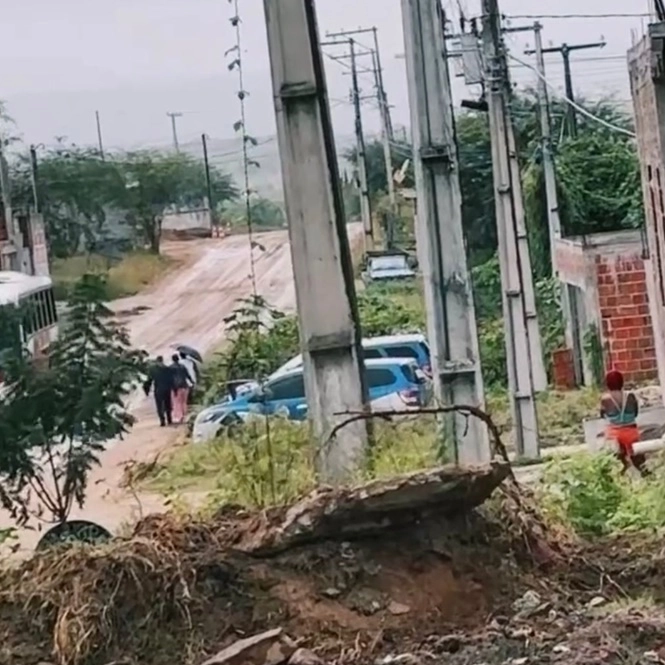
(304, 657)
(528, 603)
(597, 601)
(397, 608)
(270, 648)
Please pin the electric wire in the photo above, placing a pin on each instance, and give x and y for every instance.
(575, 105)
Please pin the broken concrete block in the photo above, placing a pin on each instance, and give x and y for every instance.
(346, 513)
(269, 648)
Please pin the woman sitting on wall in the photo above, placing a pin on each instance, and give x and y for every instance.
(620, 409)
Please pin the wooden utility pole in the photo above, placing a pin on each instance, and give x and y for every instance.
(518, 344)
(361, 156)
(330, 333)
(451, 322)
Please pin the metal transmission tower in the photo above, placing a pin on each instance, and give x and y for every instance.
(327, 308)
(174, 129)
(565, 50)
(513, 271)
(448, 295)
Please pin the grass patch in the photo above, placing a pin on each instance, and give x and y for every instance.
(588, 493)
(272, 462)
(126, 277)
(561, 414)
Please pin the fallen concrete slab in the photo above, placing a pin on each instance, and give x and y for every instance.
(345, 513)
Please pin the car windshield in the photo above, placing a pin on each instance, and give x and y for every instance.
(388, 263)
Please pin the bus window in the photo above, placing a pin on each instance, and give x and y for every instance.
(52, 311)
(42, 314)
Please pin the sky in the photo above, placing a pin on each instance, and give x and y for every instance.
(136, 60)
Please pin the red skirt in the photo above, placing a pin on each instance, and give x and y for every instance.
(626, 437)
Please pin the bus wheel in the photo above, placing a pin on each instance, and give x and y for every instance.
(75, 531)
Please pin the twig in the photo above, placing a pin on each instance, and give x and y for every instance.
(466, 410)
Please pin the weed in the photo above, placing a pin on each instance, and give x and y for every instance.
(589, 493)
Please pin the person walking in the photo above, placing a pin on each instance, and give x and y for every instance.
(192, 368)
(181, 387)
(160, 379)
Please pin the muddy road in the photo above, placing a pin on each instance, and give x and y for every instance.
(187, 306)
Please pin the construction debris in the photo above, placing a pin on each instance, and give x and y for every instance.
(378, 506)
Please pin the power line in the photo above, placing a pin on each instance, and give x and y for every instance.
(573, 16)
(576, 106)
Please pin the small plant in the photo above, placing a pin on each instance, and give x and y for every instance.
(55, 421)
(593, 348)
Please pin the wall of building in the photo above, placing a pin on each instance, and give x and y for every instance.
(647, 81)
(610, 271)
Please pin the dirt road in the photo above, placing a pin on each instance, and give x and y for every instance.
(188, 306)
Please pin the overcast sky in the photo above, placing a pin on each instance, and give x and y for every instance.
(134, 60)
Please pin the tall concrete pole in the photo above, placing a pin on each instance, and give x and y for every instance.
(386, 132)
(100, 143)
(519, 360)
(549, 172)
(361, 156)
(325, 293)
(174, 129)
(451, 319)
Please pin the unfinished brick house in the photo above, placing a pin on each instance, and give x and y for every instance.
(606, 278)
(646, 64)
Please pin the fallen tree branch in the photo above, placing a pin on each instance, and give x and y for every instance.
(467, 410)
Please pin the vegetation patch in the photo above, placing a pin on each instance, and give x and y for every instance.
(126, 277)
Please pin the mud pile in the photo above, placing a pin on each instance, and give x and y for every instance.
(416, 583)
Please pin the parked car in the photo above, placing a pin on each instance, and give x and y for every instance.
(411, 345)
(388, 265)
(394, 385)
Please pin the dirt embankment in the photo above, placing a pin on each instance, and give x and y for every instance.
(491, 586)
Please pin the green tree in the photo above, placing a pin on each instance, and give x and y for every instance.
(78, 193)
(263, 212)
(155, 182)
(55, 421)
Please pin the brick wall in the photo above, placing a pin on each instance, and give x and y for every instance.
(626, 321)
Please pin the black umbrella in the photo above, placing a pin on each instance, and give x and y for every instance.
(189, 351)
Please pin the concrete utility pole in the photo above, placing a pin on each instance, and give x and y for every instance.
(361, 156)
(99, 135)
(33, 177)
(565, 50)
(451, 319)
(551, 194)
(518, 346)
(382, 100)
(174, 129)
(384, 97)
(327, 309)
(206, 163)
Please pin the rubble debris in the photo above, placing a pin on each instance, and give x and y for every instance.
(272, 647)
(328, 513)
(397, 609)
(305, 657)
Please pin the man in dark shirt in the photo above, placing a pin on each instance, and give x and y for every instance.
(161, 380)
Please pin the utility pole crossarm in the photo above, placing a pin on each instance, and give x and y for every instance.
(565, 50)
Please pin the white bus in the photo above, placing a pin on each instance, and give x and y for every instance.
(40, 327)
